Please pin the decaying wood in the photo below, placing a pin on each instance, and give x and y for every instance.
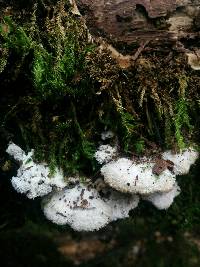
(145, 25)
(140, 20)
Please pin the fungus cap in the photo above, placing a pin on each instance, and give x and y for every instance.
(84, 209)
(194, 60)
(80, 207)
(16, 152)
(121, 204)
(33, 179)
(127, 176)
(163, 200)
(183, 160)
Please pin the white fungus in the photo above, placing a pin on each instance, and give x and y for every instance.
(163, 200)
(89, 208)
(33, 179)
(105, 153)
(84, 209)
(121, 204)
(182, 161)
(79, 207)
(16, 152)
(107, 135)
(127, 176)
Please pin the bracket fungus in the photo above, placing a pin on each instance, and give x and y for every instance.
(84, 209)
(33, 179)
(194, 60)
(16, 152)
(131, 177)
(182, 160)
(163, 200)
(91, 206)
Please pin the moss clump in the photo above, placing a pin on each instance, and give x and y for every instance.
(181, 118)
(57, 63)
(56, 50)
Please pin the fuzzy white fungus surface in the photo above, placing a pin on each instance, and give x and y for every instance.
(163, 200)
(121, 204)
(84, 209)
(183, 160)
(79, 207)
(105, 153)
(33, 179)
(126, 176)
(16, 152)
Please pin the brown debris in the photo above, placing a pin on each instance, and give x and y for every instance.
(83, 250)
(161, 165)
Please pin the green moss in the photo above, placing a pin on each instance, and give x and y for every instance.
(14, 37)
(58, 52)
(74, 92)
(181, 119)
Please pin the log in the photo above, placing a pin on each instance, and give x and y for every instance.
(132, 26)
(137, 20)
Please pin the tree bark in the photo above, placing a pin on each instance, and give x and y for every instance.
(136, 22)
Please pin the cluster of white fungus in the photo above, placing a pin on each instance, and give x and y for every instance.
(92, 206)
(33, 179)
(133, 177)
(84, 209)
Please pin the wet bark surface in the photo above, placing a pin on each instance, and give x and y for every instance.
(142, 21)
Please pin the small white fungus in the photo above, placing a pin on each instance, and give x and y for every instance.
(105, 153)
(163, 200)
(16, 152)
(182, 161)
(127, 176)
(33, 179)
(107, 135)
